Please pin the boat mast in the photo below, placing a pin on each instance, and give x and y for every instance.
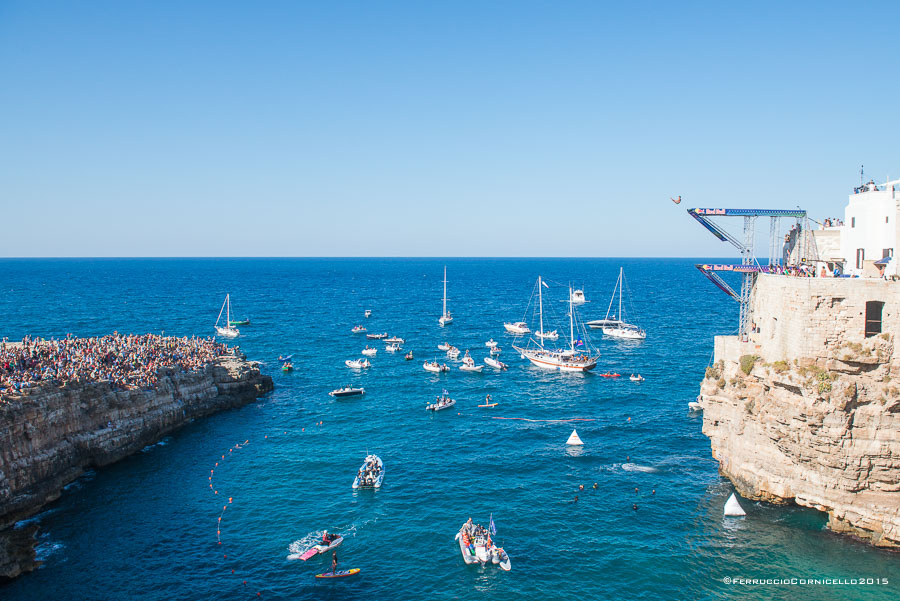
(444, 314)
(571, 322)
(620, 286)
(541, 307)
(220, 312)
(227, 310)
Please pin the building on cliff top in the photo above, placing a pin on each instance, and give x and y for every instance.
(863, 244)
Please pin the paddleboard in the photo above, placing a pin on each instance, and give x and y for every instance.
(489, 405)
(309, 553)
(339, 573)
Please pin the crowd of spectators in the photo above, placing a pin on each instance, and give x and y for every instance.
(124, 360)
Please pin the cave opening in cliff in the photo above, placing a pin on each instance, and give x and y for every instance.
(873, 317)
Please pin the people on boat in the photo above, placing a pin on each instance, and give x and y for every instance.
(334, 562)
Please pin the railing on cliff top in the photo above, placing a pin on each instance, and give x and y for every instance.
(749, 266)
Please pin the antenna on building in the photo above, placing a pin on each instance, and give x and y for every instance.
(861, 176)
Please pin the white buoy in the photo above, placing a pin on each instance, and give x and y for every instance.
(574, 440)
(733, 508)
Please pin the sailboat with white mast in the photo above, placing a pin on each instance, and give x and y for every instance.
(446, 317)
(228, 330)
(617, 327)
(570, 359)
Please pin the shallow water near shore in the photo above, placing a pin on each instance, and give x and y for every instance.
(146, 527)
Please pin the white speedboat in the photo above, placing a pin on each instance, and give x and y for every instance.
(357, 363)
(468, 364)
(227, 330)
(636, 378)
(435, 367)
(490, 343)
(578, 297)
(369, 352)
(495, 363)
(442, 402)
(347, 391)
(444, 346)
(518, 327)
(368, 312)
(358, 329)
(377, 336)
(496, 351)
(392, 348)
(370, 474)
(394, 340)
(551, 335)
(627, 331)
(453, 352)
(327, 543)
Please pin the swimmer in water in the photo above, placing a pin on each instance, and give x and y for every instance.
(576, 499)
(595, 486)
(634, 506)
(581, 487)
(635, 489)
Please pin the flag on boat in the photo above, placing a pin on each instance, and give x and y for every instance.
(579, 342)
(545, 284)
(493, 528)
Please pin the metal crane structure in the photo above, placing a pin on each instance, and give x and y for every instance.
(749, 266)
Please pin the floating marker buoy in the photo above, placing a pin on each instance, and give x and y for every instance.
(303, 429)
(629, 419)
(574, 440)
(733, 508)
(229, 499)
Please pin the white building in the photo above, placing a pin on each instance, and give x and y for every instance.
(870, 232)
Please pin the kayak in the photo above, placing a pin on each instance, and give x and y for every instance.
(339, 573)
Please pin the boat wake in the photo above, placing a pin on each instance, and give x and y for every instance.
(634, 467)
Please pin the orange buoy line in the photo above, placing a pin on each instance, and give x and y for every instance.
(215, 491)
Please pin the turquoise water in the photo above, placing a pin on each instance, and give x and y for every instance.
(145, 528)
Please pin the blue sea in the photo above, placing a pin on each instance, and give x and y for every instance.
(146, 527)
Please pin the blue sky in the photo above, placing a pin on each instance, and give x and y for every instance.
(430, 129)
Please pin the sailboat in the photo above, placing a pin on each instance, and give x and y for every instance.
(446, 318)
(562, 359)
(618, 327)
(228, 330)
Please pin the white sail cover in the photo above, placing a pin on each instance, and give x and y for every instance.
(733, 508)
(574, 439)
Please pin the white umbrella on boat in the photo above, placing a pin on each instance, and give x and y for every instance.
(574, 440)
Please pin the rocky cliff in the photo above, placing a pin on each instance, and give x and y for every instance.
(52, 434)
(820, 432)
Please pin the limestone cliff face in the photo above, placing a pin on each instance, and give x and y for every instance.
(821, 432)
(49, 436)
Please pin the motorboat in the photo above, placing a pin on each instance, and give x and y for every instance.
(408, 356)
(495, 363)
(347, 391)
(636, 378)
(377, 336)
(496, 351)
(370, 474)
(327, 543)
(446, 318)
(551, 335)
(394, 340)
(435, 367)
(453, 352)
(476, 546)
(490, 343)
(468, 364)
(358, 329)
(578, 297)
(444, 346)
(357, 363)
(442, 402)
(239, 322)
(227, 330)
(518, 327)
(369, 351)
(368, 313)
(392, 348)
(287, 366)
